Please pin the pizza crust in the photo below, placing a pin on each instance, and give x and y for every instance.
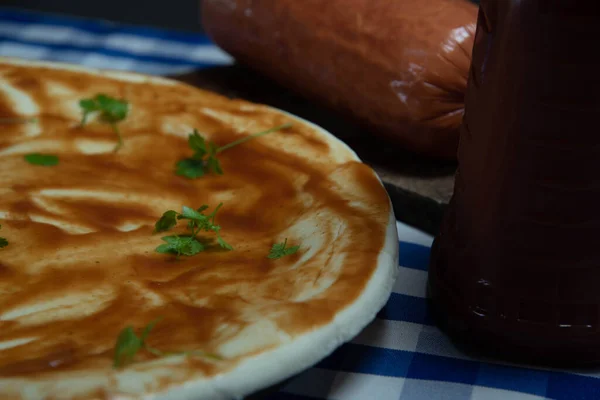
(266, 367)
(272, 367)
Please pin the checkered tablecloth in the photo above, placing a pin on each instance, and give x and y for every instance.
(401, 355)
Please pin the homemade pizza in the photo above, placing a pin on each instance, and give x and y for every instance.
(160, 241)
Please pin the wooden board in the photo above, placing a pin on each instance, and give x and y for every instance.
(419, 187)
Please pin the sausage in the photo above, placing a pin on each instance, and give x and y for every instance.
(399, 68)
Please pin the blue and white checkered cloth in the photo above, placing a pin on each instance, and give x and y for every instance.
(401, 355)
(104, 44)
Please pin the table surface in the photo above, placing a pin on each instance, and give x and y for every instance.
(402, 354)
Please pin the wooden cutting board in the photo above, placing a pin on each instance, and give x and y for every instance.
(419, 187)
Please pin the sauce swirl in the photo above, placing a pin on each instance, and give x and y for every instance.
(81, 263)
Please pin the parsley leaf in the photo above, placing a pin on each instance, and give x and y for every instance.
(203, 161)
(112, 111)
(148, 328)
(205, 158)
(280, 250)
(197, 222)
(166, 222)
(198, 144)
(204, 207)
(223, 243)
(214, 164)
(87, 106)
(190, 168)
(46, 160)
(191, 214)
(129, 344)
(3, 241)
(181, 246)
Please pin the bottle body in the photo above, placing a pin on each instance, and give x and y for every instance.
(516, 266)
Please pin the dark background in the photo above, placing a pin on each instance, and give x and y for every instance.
(183, 15)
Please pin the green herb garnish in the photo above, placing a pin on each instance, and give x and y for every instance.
(46, 160)
(3, 241)
(181, 246)
(188, 245)
(205, 158)
(112, 111)
(166, 222)
(280, 250)
(129, 344)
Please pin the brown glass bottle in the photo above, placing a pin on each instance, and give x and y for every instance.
(515, 269)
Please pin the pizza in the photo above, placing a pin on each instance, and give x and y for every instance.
(160, 241)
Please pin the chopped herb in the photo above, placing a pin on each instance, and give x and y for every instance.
(182, 246)
(3, 241)
(129, 344)
(166, 222)
(223, 243)
(280, 250)
(46, 160)
(188, 245)
(190, 168)
(205, 158)
(111, 110)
